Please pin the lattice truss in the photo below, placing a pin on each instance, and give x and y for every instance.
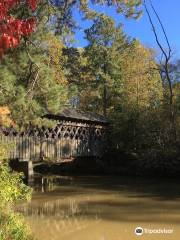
(63, 129)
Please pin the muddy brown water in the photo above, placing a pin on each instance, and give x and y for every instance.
(103, 208)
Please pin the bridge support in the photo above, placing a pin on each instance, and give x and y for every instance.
(30, 172)
(25, 166)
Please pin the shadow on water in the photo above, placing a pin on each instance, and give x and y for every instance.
(158, 189)
(110, 198)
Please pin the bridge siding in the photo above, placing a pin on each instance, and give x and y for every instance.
(33, 148)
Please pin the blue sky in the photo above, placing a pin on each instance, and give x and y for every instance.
(169, 12)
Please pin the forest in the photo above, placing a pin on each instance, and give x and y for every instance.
(41, 71)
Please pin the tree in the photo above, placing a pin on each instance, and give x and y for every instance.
(130, 8)
(78, 75)
(105, 44)
(34, 84)
(13, 28)
(142, 86)
(164, 67)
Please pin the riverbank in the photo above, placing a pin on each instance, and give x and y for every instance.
(121, 165)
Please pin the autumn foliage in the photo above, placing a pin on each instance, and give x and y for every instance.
(5, 116)
(12, 29)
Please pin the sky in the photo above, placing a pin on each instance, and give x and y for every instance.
(169, 12)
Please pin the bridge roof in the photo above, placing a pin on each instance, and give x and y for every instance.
(71, 114)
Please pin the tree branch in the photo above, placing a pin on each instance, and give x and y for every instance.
(163, 29)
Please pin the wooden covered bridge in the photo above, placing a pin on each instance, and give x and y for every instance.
(76, 134)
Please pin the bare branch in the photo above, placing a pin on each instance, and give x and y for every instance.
(163, 29)
(164, 69)
(32, 85)
(154, 31)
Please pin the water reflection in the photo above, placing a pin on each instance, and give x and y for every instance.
(101, 207)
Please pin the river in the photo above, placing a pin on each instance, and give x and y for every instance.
(103, 208)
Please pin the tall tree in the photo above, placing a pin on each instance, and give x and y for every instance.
(105, 44)
(138, 97)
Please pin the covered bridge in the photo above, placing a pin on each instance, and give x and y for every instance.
(76, 134)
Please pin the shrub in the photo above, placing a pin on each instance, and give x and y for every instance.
(12, 189)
